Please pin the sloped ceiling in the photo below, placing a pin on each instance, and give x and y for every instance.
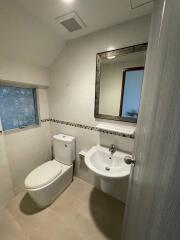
(29, 32)
(24, 38)
(96, 14)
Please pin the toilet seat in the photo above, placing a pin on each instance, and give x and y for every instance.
(43, 175)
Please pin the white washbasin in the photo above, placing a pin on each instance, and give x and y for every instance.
(99, 160)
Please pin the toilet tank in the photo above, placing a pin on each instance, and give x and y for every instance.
(64, 148)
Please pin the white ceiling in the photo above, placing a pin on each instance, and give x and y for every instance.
(25, 38)
(97, 14)
(29, 32)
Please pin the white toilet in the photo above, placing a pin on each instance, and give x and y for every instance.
(48, 181)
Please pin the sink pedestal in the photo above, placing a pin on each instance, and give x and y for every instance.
(106, 184)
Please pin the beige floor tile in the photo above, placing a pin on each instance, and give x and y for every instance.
(80, 190)
(9, 228)
(80, 213)
(101, 224)
(66, 206)
(55, 228)
(27, 214)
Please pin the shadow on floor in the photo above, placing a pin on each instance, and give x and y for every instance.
(28, 206)
(107, 214)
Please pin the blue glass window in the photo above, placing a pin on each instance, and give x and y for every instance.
(18, 107)
(132, 85)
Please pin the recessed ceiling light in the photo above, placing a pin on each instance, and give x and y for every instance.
(68, 1)
(111, 57)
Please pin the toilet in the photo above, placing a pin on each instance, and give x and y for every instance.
(49, 180)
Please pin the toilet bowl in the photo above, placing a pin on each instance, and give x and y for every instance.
(49, 180)
(45, 186)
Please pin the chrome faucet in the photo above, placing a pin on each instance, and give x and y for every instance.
(112, 149)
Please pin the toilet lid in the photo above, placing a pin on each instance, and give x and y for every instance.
(43, 174)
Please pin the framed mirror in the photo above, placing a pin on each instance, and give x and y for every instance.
(119, 79)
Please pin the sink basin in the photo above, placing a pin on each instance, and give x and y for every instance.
(99, 160)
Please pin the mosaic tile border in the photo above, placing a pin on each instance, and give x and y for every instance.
(45, 120)
(88, 127)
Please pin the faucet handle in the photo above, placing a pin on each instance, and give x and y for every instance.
(129, 160)
(112, 148)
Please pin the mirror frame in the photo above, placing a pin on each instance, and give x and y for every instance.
(99, 56)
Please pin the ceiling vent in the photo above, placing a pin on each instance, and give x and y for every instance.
(71, 22)
(139, 3)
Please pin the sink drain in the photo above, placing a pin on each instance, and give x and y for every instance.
(107, 168)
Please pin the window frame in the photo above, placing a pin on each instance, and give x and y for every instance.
(37, 109)
(128, 119)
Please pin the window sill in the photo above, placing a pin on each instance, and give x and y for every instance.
(16, 130)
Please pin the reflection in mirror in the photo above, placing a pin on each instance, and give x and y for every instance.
(132, 85)
(119, 79)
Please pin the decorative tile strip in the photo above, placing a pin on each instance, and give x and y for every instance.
(88, 127)
(45, 120)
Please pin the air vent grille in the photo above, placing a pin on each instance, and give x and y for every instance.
(71, 25)
(71, 22)
(139, 3)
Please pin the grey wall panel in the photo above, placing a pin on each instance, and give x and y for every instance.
(153, 209)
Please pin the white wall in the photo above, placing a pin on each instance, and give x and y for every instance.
(72, 88)
(25, 38)
(73, 74)
(27, 148)
(6, 188)
(19, 72)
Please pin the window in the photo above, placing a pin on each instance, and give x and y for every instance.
(131, 93)
(18, 107)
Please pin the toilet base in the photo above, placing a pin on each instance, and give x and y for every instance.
(46, 195)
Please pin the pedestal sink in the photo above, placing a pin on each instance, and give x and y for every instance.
(99, 160)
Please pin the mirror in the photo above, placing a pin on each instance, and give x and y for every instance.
(119, 79)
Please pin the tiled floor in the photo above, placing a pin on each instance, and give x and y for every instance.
(80, 213)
